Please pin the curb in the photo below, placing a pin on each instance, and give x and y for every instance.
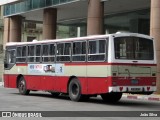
(152, 97)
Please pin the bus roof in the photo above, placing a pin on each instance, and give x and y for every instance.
(77, 39)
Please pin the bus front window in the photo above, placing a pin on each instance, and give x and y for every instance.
(9, 58)
(133, 48)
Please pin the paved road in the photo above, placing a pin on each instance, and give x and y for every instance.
(11, 100)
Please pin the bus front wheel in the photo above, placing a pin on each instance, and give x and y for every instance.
(111, 97)
(75, 90)
(22, 87)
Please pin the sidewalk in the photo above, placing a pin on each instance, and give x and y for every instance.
(152, 97)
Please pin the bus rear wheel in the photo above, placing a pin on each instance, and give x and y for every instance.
(111, 97)
(22, 87)
(75, 90)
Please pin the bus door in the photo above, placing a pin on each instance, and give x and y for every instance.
(9, 62)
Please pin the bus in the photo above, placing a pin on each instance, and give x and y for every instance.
(83, 67)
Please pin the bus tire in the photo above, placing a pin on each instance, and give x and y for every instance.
(111, 97)
(75, 90)
(22, 87)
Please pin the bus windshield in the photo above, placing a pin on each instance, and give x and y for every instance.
(133, 48)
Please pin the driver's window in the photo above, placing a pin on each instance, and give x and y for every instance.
(11, 57)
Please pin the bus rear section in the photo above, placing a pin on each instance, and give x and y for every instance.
(133, 64)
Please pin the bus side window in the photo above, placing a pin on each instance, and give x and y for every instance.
(45, 53)
(96, 50)
(31, 53)
(38, 53)
(21, 54)
(63, 52)
(52, 52)
(79, 51)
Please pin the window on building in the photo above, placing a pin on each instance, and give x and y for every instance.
(30, 38)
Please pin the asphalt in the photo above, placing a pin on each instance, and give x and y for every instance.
(152, 97)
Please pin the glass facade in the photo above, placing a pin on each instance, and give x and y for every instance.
(28, 5)
(135, 21)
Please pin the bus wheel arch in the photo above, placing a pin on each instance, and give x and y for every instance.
(74, 89)
(18, 79)
(70, 78)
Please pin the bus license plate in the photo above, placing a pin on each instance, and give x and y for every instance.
(134, 81)
(136, 89)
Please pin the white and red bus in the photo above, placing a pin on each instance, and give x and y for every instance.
(106, 65)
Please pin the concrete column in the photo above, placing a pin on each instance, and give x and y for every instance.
(15, 29)
(6, 31)
(49, 23)
(95, 20)
(155, 32)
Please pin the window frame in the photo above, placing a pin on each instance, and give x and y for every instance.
(70, 56)
(7, 64)
(48, 56)
(85, 55)
(33, 53)
(133, 53)
(21, 57)
(105, 51)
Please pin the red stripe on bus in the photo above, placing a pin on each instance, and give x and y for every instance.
(94, 63)
(106, 63)
(132, 64)
(21, 64)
